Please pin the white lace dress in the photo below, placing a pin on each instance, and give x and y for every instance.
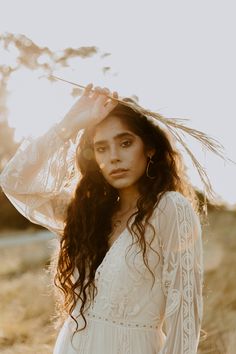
(128, 316)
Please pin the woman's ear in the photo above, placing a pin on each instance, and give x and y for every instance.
(151, 152)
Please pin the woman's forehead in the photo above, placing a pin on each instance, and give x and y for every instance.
(111, 128)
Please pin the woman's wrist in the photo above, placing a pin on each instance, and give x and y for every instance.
(64, 131)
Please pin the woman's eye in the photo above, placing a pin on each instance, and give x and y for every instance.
(126, 143)
(100, 149)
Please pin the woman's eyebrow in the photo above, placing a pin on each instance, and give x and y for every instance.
(118, 136)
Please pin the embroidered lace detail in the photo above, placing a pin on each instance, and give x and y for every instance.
(36, 179)
(182, 277)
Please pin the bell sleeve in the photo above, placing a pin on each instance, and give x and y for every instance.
(182, 274)
(40, 177)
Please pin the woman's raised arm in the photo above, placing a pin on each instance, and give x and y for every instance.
(36, 179)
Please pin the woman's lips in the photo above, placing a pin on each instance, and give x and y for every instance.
(119, 174)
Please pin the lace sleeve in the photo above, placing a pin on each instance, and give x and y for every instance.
(182, 274)
(36, 179)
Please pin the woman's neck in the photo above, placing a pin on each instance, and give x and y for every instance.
(127, 199)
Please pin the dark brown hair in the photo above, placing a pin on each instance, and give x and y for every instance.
(88, 222)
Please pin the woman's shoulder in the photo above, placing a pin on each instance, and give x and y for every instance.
(174, 203)
(173, 198)
(175, 212)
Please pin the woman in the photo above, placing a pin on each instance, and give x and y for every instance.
(130, 256)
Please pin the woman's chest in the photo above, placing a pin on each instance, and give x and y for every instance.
(125, 284)
(126, 263)
(114, 236)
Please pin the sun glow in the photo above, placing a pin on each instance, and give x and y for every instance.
(34, 103)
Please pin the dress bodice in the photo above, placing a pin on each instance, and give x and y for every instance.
(125, 293)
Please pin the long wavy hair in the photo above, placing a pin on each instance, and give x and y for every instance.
(84, 242)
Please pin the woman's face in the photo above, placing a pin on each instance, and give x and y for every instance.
(119, 152)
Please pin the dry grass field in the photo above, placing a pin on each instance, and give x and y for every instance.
(27, 303)
(26, 300)
(219, 321)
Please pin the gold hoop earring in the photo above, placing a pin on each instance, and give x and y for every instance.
(150, 162)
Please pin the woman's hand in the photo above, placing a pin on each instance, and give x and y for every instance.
(90, 109)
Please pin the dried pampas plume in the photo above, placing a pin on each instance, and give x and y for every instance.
(176, 127)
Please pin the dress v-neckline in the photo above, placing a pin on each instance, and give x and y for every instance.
(110, 249)
(116, 240)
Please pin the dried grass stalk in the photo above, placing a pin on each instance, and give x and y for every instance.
(178, 130)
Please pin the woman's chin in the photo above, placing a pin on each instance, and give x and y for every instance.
(121, 184)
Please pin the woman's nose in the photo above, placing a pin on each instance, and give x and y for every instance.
(114, 154)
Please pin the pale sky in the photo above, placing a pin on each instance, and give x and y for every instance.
(178, 57)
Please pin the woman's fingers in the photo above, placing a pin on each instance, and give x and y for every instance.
(115, 94)
(97, 91)
(103, 96)
(108, 93)
(106, 90)
(101, 91)
(110, 105)
(87, 89)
